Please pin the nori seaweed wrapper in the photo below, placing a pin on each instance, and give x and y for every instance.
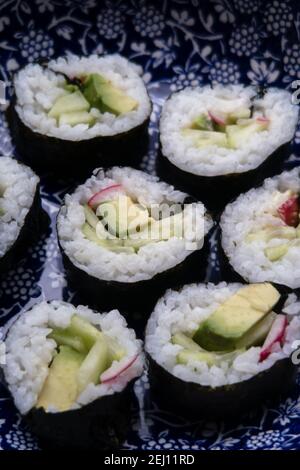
(217, 191)
(65, 157)
(100, 425)
(34, 225)
(229, 401)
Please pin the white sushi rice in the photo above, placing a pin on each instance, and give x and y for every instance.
(18, 185)
(152, 258)
(183, 311)
(185, 106)
(29, 351)
(37, 88)
(251, 212)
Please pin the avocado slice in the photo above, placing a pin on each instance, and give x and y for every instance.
(239, 134)
(96, 362)
(206, 138)
(69, 103)
(236, 316)
(76, 117)
(60, 389)
(275, 253)
(101, 94)
(63, 338)
(257, 334)
(203, 123)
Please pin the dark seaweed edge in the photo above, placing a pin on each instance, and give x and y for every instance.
(35, 223)
(225, 402)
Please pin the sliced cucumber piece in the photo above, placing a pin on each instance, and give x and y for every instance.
(69, 103)
(182, 340)
(90, 216)
(116, 352)
(83, 329)
(239, 134)
(185, 356)
(206, 138)
(64, 338)
(95, 363)
(76, 117)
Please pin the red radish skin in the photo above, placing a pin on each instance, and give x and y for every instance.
(109, 376)
(276, 335)
(220, 120)
(95, 200)
(263, 119)
(289, 211)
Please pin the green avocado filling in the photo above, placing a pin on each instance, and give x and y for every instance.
(242, 321)
(123, 226)
(93, 91)
(83, 354)
(230, 130)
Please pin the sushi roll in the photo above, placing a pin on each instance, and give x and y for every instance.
(77, 113)
(125, 237)
(219, 350)
(21, 216)
(70, 372)
(260, 232)
(224, 137)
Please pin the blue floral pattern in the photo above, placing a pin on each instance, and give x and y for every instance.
(178, 43)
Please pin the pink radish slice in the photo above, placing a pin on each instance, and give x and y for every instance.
(276, 335)
(95, 200)
(110, 375)
(218, 119)
(262, 119)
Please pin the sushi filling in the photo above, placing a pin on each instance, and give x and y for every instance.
(226, 129)
(126, 225)
(219, 335)
(116, 222)
(230, 130)
(79, 98)
(59, 357)
(266, 243)
(79, 102)
(18, 186)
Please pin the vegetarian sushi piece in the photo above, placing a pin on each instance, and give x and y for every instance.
(126, 237)
(261, 232)
(224, 137)
(71, 372)
(78, 113)
(21, 216)
(219, 350)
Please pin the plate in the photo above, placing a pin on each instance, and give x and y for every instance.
(177, 43)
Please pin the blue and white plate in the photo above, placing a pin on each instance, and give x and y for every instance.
(178, 43)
